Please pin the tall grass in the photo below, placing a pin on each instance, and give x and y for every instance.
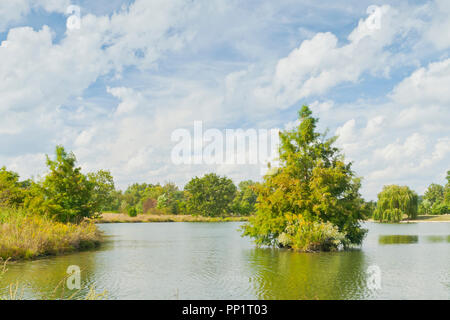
(24, 236)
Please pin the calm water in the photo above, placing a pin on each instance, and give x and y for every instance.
(212, 261)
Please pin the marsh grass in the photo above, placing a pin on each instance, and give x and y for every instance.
(25, 236)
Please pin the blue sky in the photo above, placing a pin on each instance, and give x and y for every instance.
(115, 89)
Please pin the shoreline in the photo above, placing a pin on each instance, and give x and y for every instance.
(420, 219)
(109, 217)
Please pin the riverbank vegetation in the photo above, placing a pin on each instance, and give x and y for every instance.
(207, 196)
(47, 216)
(25, 236)
(311, 201)
(124, 218)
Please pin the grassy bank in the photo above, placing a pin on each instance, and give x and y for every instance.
(28, 237)
(427, 218)
(440, 218)
(120, 217)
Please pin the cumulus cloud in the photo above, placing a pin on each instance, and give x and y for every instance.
(115, 89)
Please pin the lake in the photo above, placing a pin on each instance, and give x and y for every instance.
(212, 261)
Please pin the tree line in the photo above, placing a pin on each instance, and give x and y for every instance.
(67, 195)
(211, 195)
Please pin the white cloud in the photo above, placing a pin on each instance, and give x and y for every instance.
(321, 63)
(436, 30)
(429, 86)
(169, 63)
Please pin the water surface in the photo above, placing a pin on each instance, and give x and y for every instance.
(212, 261)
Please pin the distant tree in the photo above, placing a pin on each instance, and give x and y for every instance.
(368, 209)
(210, 195)
(394, 202)
(447, 190)
(103, 190)
(245, 200)
(425, 207)
(12, 192)
(434, 194)
(437, 196)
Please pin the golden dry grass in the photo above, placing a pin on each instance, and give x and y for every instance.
(120, 217)
(440, 218)
(27, 237)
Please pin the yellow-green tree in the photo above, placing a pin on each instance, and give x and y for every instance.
(12, 192)
(66, 194)
(313, 190)
(395, 202)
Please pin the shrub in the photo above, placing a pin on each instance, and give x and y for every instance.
(307, 236)
(132, 212)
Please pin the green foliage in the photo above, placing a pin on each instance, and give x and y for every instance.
(425, 207)
(436, 199)
(313, 182)
(103, 189)
(394, 202)
(210, 195)
(132, 212)
(447, 190)
(170, 199)
(434, 194)
(368, 209)
(66, 194)
(245, 200)
(306, 236)
(12, 192)
(440, 208)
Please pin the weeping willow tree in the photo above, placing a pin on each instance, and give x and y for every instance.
(394, 202)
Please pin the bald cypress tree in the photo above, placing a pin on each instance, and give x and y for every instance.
(313, 190)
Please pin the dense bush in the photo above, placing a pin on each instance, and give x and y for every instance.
(304, 235)
(132, 212)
